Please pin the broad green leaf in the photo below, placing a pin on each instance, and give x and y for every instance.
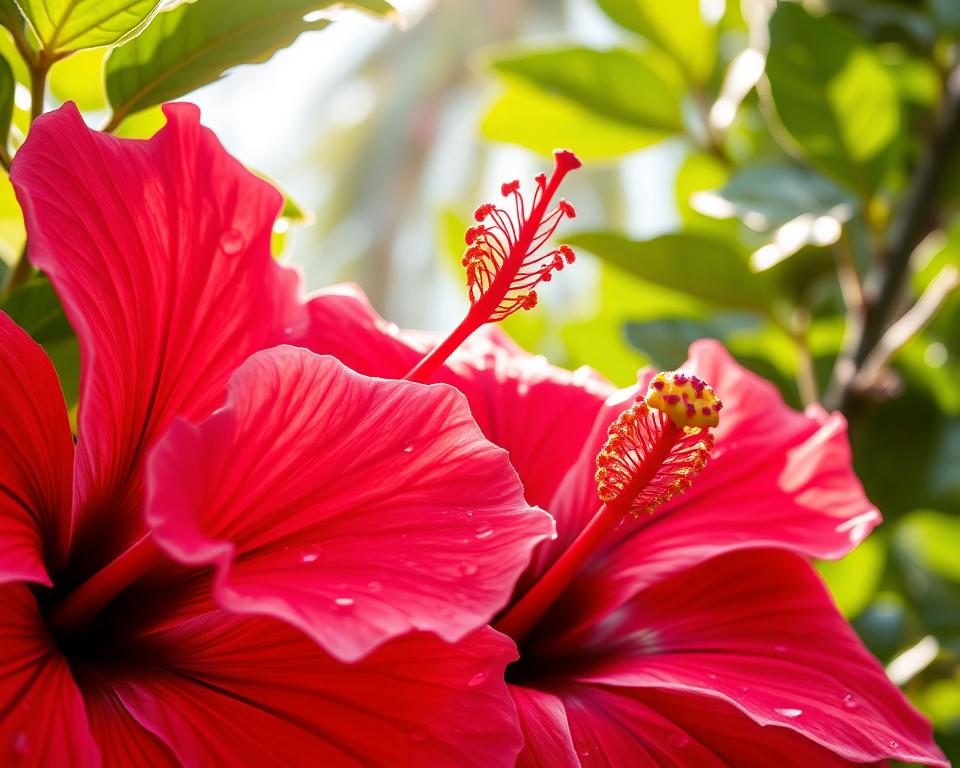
(931, 540)
(700, 173)
(541, 121)
(7, 85)
(196, 43)
(12, 232)
(693, 263)
(768, 195)
(605, 82)
(854, 580)
(68, 25)
(10, 16)
(665, 340)
(832, 95)
(34, 306)
(79, 78)
(676, 27)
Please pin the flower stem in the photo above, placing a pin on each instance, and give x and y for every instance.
(525, 613)
(423, 370)
(87, 600)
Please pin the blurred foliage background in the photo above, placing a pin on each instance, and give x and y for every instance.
(783, 176)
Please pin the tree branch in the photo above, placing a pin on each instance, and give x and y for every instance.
(906, 230)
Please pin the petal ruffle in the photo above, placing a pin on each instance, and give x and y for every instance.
(546, 733)
(228, 690)
(759, 631)
(520, 401)
(356, 509)
(43, 720)
(36, 461)
(160, 253)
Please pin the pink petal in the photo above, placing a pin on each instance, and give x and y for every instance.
(43, 721)
(227, 690)
(521, 402)
(759, 631)
(546, 733)
(36, 460)
(160, 253)
(356, 509)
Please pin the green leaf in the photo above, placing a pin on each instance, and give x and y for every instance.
(676, 27)
(10, 16)
(68, 25)
(196, 43)
(854, 580)
(832, 95)
(768, 195)
(7, 85)
(931, 539)
(541, 121)
(605, 82)
(695, 264)
(665, 341)
(35, 307)
(79, 78)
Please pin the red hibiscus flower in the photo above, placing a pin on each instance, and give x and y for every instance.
(698, 635)
(296, 578)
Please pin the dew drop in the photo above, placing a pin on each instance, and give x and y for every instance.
(712, 676)
(483, 531)
(417, 736)
(678, 740)
(232, 242)
(788, 712)
(408, 449)
(467, 568)
(850, 701)
(478, 679)
(21, 744)
(309, 555)
(374, 586)
(894, 744)
(344, 602)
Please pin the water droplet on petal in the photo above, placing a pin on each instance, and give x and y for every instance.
(232, 242)
(780, 648)
(788, 712)
(850, 701)
(467, 568)
(343, 602)
(21, 744)
(418, 736)
(483, 531)
(712, 676)
(408, 449)
(478, 679)
(678, 740)
(894, 744)
(309, 555)
(374, 586)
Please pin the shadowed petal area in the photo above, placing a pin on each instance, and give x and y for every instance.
(520, 401)
(43, 721)
(354, 508)
(160, 253)
(759, 631)
(229, 690)
(36, 460)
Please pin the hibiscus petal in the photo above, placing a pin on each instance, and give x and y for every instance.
(760, 631)
(630, 728)
(354, 508)
(227, 690)
(160, 252)
(546, 733)
(520, 401)
(43, 720)
(36, 460)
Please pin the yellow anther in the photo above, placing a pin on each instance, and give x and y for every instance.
(687, 400)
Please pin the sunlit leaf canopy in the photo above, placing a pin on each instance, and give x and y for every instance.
(753, 172)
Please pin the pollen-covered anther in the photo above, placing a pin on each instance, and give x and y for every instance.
(686, 399)
(647, 460)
